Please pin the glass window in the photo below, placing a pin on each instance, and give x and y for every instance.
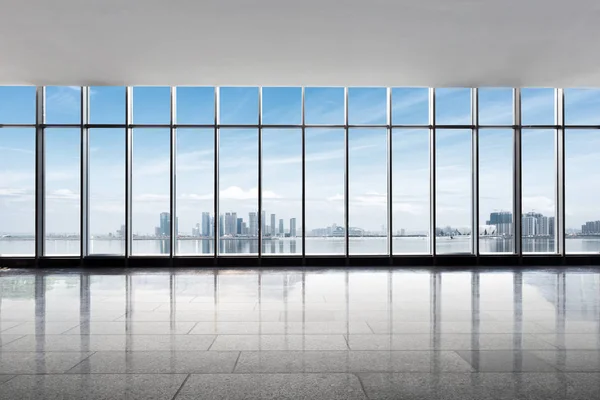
(107, 105)
(107, 191)
(582, 106)
(453, 106)
(17, 104)
(582, 179)
(62, 203)
(195, 105)
(63, 105)
(195, 190)
(238, 191)
(410, 106)
(538, 170)
(411, 189)
(324, 106)
(282, 190)
(453, 191)
(324, 202)
(239, 105)
(150, 187)
(367, 106)
(17, 191)
(368, 216)
(496, 191)
(282, 105)
(151, 105)
(537, 106)
(495, 106)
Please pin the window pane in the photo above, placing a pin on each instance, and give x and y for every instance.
(239, 105)
(324, 105)
(495, 106)
(453, 106)
(495, 191)
(582, 106)
(410, 106)
(538, 189)
(282, 190)
(62, 156)
(151, 105)
(282, 105)
(195, 190)
(63, 105)
(453, 191)
(107, 105)
(151, 216)
(17, 191)
(17, 104)
(196, 105)
(238, 191)
(582, 179)
(537, 106)
(367, 106)
(107, 191)
(368, 191)
(411, 189)
(325, 169)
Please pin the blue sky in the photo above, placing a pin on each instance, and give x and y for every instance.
(282, 172)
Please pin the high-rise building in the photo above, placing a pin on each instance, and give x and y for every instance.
(221, 225)
(542, 228)
(230, 223)
(292, 226)
(165, 224)
(238, 227)
(121, 232)
(206, 229)
(529, 225)
(253, 224)
(273, 228)
(263, 222)
(551, 227)
(281, 232)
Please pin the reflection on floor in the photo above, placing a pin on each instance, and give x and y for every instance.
(313, 334)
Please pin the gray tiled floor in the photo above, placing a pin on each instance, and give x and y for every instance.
(335, 334)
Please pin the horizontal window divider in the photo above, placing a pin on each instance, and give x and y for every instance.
(17, 126)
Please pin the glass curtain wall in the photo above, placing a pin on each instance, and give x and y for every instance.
(204, 171)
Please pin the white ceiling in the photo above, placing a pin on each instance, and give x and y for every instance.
(302, 42)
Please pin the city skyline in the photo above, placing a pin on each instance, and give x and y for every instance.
(238, 149)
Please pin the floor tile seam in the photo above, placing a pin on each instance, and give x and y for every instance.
(236, 362)
(370, 327)
(192, 328)
(115, 319)
(536, 336)
(305, 373)
(75, 327)
(19, 323)
(362, 386)
(11, 341)
(84, 359)
(212, 343)
(181, 386)
(14, 376)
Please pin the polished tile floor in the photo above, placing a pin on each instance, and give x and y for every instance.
(309, 334)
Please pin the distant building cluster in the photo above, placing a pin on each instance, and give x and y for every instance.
(591, 228)
(336, 231)
(231, 225)
(536, 224)
(502, 223)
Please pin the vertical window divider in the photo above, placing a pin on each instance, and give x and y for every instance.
(260, 219)
(390, 198)
(475, 171)
(216, 176)
(432, 183)
(40, 182)
(346, 177)
(559, 219)
(517, 175)
(84, 194)
(173, 225)
(303, 123)
(128, 170)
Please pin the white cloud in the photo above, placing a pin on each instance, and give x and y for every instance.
(62, 194)
(336, 197)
